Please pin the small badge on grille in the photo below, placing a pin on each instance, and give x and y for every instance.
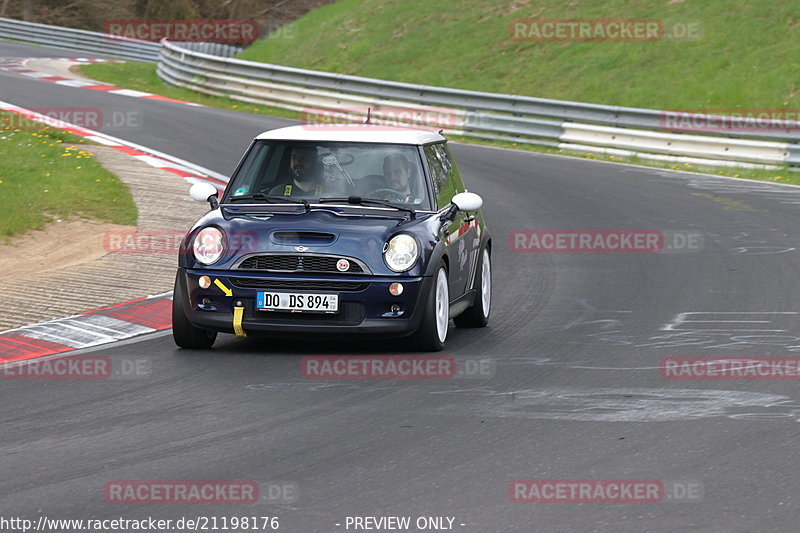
(342, 265)
(300, 248)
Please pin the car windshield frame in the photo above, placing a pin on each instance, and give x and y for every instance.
(266, 160)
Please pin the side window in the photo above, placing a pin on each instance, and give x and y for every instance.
(444, 174)
(455, 175)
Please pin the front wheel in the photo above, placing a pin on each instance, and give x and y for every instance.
(432, 332)
(477, 316)
(184, 333)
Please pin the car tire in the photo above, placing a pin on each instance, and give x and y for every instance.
(477, 315)
(432, 332)
(183, 332)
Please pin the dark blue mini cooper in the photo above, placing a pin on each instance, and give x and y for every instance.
(355, 230)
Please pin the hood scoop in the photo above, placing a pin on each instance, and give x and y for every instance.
(302, 238)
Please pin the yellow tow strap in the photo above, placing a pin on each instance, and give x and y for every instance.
(237, 322)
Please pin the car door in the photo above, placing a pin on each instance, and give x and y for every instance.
(458, 235)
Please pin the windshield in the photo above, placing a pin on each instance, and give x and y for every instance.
(314, 170)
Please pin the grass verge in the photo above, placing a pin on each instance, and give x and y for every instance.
(732, 54)
(46, 177)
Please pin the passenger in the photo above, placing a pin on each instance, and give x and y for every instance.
(397, 172)
(306, 174)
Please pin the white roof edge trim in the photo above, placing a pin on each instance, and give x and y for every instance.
(358, 133)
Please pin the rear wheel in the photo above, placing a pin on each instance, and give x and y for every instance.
(183, 332)
(432, 332)
(477, 316)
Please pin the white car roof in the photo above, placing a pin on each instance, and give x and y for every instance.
(352, 133)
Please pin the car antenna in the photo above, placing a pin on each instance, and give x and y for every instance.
(369, 115)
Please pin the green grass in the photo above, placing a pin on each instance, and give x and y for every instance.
(748, 54)
(747, 57)
(143, 77)
(47, 177)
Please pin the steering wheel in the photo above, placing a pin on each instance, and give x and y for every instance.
(390, 195)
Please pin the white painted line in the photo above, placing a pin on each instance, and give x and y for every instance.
(102, 140)
(114, 326)
(130, 92)
(74, 83)
(51, 333)
(82, 331)
(155, 161)
(35, 74)
(724, 317)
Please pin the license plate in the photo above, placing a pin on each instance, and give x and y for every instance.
(302, 302)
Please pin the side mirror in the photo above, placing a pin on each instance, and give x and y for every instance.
(467, 201)
(204, 192)
(463, 201)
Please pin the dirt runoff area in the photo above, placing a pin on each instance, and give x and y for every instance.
(58, 245)
(75, 266)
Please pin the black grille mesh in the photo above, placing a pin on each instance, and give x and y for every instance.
(296, 263)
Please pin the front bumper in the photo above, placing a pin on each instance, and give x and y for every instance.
(364, 303)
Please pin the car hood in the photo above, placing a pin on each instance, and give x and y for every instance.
(349, 232)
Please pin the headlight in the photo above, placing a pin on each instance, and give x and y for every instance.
(401, 252)
(208, 245)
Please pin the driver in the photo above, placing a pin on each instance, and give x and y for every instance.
(397, 173)
(306, 174)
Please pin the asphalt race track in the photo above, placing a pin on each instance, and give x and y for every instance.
(574, 347)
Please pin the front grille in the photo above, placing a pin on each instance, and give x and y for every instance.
(297, 263)
(300, 285)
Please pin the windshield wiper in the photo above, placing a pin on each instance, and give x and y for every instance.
(271, 198)
(357, 200)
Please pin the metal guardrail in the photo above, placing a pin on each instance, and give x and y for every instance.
(83, 41)
(571, 125)
(90, 42)
(209, 68)
(214, 49)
